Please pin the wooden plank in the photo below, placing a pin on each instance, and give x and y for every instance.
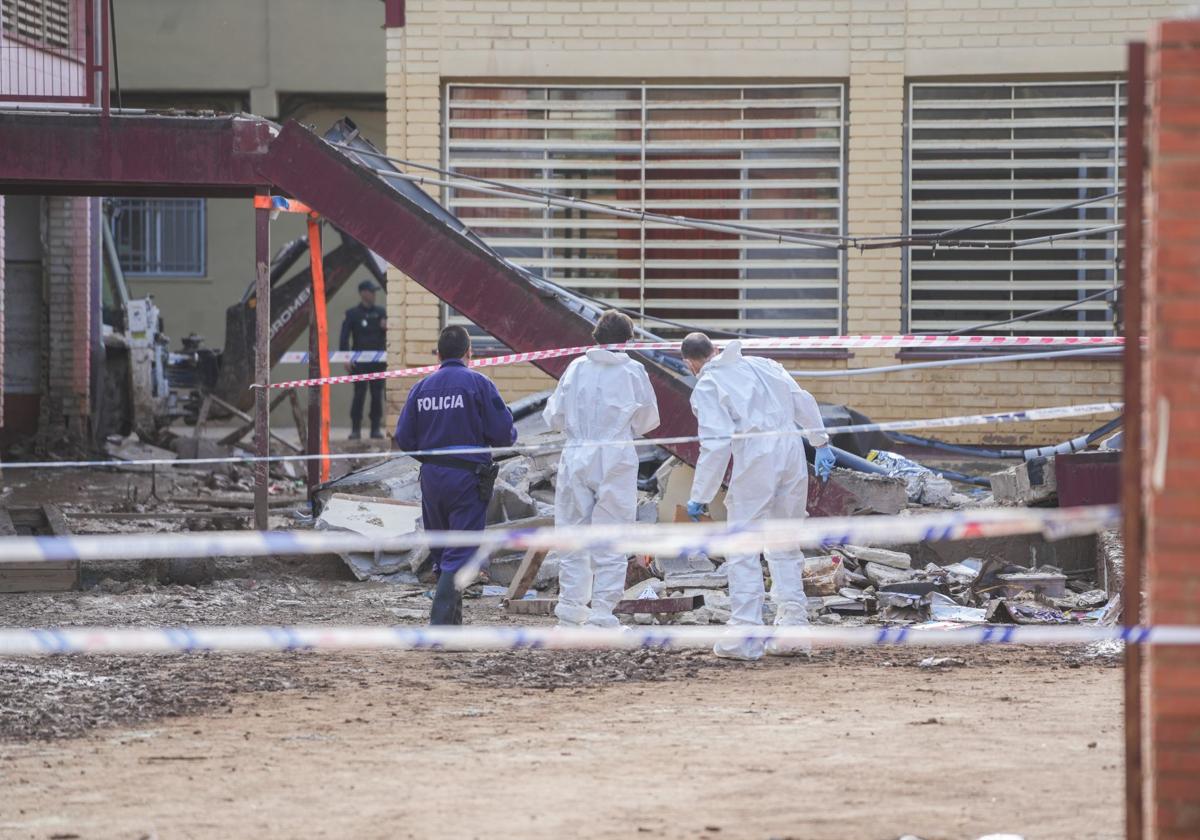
(28, 518)
(526, 573)
(38, 580)
(55, 521)
(531, 606)
(202, 417)
(248, 423)
(682, 603)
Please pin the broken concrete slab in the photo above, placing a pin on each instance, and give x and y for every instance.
(880, 556)
(509, 503)
(531, 606)
(1047, 584)
(1030, 483)
(696, 580)
(133, 449)
(372, 518)
(881, 575)
(853, 493)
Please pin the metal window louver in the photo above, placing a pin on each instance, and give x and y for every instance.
(983, 151)
(767, 155)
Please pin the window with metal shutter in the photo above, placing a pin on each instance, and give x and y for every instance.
(45, 22)
(770, 156)
(984, 151)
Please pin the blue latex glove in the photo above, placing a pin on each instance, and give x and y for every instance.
(695, 510)
(823, 462)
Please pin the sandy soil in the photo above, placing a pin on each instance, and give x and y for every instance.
(404, 745)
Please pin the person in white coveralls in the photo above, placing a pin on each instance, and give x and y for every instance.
(736, 394)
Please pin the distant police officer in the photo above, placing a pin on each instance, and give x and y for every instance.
(454, 408)
(365, 328)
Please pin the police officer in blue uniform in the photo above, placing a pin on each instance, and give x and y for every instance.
(365, 328)
(454, 407)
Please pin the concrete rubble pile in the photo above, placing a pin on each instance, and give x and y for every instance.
(848, 584)
(390, 493)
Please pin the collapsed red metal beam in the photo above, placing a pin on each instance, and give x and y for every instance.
(131, 154)
(476, 283)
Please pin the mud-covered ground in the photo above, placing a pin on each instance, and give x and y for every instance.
(540, 744)
(534, 744)
(66, 696)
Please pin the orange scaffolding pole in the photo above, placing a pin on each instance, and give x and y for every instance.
(318, 301)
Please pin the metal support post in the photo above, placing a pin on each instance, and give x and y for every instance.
(262, 359)
(1131, 454)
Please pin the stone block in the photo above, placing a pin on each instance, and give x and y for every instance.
(1030, 483)
(851, 493)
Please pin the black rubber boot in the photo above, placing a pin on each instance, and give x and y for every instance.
(355, 433)
(447, 602)
(376, 431)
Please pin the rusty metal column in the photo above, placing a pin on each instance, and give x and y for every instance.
(262, 356)
(1131, 450)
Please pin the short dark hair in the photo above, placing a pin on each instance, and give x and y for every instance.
(613, 328)
(696, 347)
(454, 342)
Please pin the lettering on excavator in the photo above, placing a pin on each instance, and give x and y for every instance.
(292, 308)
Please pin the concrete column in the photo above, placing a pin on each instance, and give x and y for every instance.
(1171, 413)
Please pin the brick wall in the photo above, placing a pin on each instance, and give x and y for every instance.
(67, 236)
(1172, 420)
(876, 46)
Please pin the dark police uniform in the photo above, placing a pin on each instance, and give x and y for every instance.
(455, 407)
(363, 330)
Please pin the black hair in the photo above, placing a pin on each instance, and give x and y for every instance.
(696, 347)
(454, 342)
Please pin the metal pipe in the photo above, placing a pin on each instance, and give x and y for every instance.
(937, 363)
(262, 360)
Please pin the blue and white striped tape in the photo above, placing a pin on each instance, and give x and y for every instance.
(664, 539)
(195, 639)
(1019, 416)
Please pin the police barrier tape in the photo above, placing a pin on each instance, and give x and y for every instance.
(824, 342)
(296, 357)
(193, 639)
(664, 539)
(1020, 416)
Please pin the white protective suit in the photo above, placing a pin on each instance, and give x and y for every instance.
(736, 393)
(602, 396)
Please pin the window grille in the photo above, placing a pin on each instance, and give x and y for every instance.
(160, 237)
(766, 155)
(992, 151)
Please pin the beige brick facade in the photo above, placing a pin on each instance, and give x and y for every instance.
(875, 47)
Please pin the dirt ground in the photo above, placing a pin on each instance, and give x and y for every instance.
(854, 745)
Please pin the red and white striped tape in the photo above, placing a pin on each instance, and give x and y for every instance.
(822, 342)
